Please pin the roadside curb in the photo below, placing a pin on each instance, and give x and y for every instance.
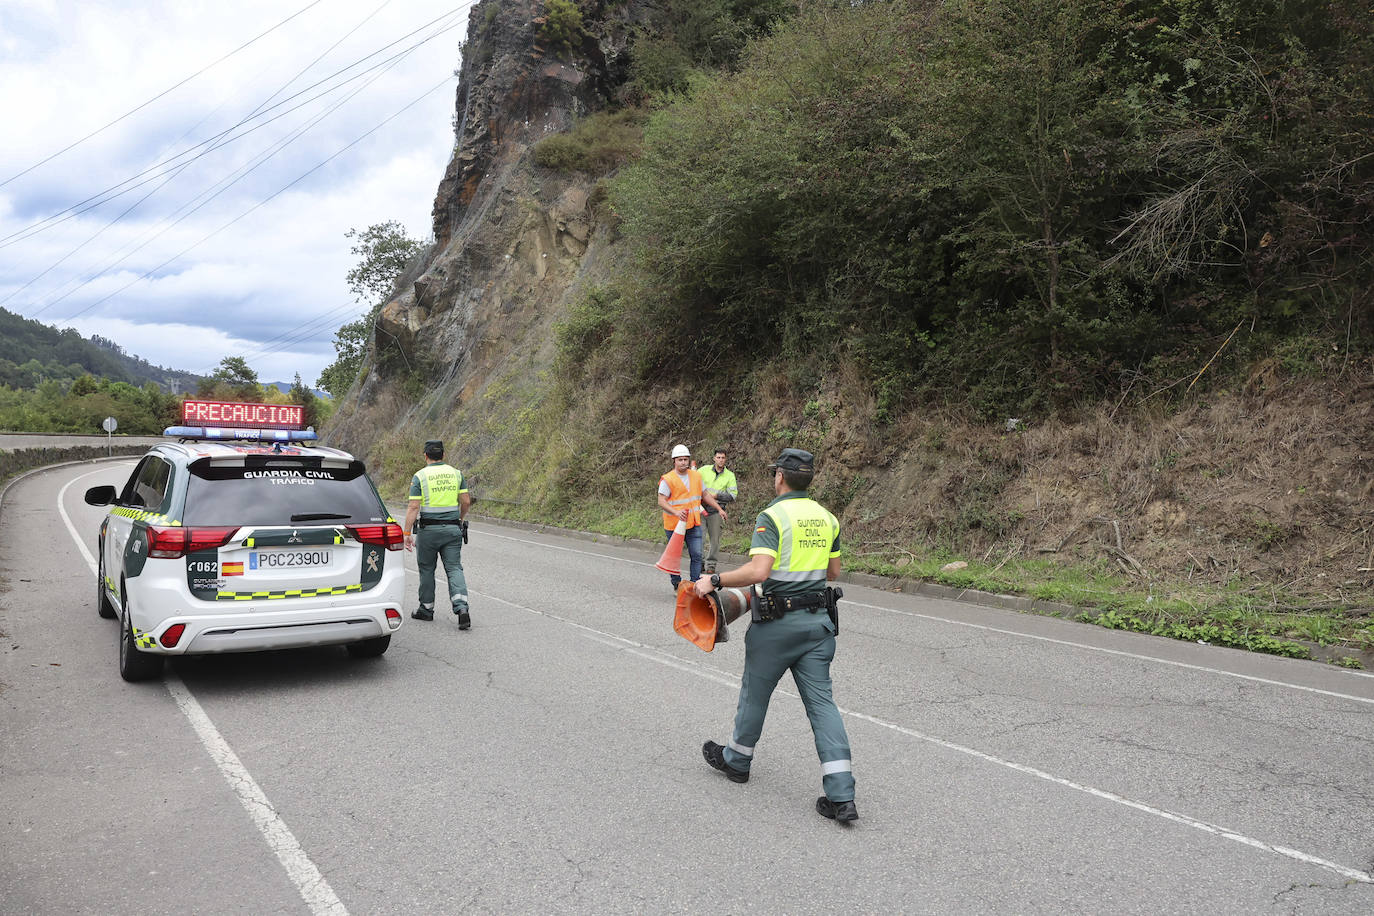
(1020, 603)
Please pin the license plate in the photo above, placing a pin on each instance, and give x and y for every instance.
(288, 559)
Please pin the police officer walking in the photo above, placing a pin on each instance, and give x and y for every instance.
(795, 550)
(438, 508)
(719, 481)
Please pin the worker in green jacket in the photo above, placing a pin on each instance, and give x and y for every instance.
(718, 481)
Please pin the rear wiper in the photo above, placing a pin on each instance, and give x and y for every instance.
(317, 516)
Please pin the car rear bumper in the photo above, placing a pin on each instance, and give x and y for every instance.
(253, 626)
(241, 638)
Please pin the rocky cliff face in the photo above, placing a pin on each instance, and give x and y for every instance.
(510, 239)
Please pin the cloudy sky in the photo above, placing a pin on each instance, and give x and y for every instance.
(179, 175)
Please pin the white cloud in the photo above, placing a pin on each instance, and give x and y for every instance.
(276, 272)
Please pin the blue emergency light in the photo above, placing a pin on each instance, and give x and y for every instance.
(237, 433)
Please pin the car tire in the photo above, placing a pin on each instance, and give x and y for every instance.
(103, 605)
(369, 648)
(134, 665)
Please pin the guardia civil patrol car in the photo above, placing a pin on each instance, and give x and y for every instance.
(245, 537)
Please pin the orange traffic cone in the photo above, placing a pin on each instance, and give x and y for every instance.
(671, 561)
(695, 619)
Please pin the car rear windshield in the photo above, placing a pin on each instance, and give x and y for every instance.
(274, 490)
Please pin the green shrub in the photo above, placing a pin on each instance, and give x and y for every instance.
(596, 144)
(1028, 202)
(562, 29)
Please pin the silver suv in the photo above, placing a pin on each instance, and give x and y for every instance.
(243, 546)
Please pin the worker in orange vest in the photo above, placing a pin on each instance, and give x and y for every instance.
(680, 495)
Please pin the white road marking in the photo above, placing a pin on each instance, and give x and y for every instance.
(979, 626)
(1124, 654)
(67, 519)
(311, 884)
(313, 887)
(708, 673)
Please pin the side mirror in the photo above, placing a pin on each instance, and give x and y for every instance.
(100, 496)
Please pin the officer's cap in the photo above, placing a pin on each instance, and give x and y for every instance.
(434, 448)
(795, 459)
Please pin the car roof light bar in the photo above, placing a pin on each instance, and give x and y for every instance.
(234, 433)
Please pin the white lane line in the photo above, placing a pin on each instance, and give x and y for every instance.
(979, 626)
(1122, 653)
(67, 519)
(585, 553)
(311, 884)
(313, 887)
(659, 656)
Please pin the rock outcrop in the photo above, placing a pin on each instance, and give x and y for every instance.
(510, 238)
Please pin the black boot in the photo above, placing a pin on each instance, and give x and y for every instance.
(844, 811)
(715, 756)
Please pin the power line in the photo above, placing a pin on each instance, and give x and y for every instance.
(268, 199)
(100, 197)
(131, 111)
(225, 183)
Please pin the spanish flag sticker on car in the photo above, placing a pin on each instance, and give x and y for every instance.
(760, 528)
(231, 569)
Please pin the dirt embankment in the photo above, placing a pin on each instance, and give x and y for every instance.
(1270, 484)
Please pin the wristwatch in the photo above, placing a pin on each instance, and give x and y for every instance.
(715, 580)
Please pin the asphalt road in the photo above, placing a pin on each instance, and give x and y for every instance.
(548, 760)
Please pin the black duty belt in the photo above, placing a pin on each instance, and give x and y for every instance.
(781, 605)
(434, 523)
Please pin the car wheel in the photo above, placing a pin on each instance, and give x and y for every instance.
(103, 604)
(369, 648)
(133, 664)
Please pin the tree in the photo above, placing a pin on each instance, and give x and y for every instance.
(350, 343)
(384, 251)
(84, 385)
(234, 372)
(562, 28)
(299, 394)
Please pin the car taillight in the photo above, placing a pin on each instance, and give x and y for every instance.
(389, 536)
(393, 618)
(170, 543)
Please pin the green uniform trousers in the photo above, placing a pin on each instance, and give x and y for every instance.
(432, 543)
(803, 643)
(712, 525)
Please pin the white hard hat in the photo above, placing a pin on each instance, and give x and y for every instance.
(681, 451)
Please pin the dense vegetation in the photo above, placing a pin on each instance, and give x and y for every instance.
(32, 352)
(81, 405)
(1018, 204)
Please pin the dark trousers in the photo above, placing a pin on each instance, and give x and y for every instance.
(803, 643)
(435, 542)
(692, 540)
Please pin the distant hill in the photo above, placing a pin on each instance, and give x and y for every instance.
(285, 388)
(32, 352)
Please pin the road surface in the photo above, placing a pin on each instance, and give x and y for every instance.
(548, 760)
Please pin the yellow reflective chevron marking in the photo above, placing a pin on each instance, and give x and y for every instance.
(289, 593)
(143, 640)
(248, 542)
(143, 515)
